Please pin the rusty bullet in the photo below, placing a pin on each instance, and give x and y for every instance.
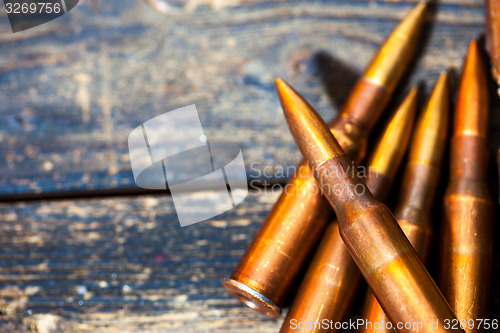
(413, 210)
(332, 279)
(493, 37)
(270, 266)
(466, 250)
(378, 246)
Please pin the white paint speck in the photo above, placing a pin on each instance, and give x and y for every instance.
(81, 290)
(181, 298)
(47, 166)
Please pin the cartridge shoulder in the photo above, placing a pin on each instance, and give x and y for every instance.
(468, 189)
(350, 136)
(413, 215)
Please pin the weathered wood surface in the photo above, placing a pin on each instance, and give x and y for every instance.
(73, 89)
(125, 265)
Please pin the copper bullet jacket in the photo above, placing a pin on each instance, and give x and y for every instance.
(493, 36)
(383, 254)
(332, 279)
(272, 252)
(416, 225)
(414, 215)
(359, 114)
(413, 210)
(466, 251)
(269, 268)
(378, 246)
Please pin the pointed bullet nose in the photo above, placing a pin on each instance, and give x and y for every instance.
(310, 132)
(295, 107)
(473, 59)
(419, 10)
(286, 94)
(392, 145)
(430, 134)
(471, 117)
(408, 108)
(402, 120)
(412, 23)
(397, 49)
(442, 83)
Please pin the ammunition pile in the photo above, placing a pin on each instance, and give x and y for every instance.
(366, 240)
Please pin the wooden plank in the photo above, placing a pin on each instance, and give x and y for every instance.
(73, 89)
(125, 265)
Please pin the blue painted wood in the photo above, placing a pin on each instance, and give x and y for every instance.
(125, 264)
(73, 89)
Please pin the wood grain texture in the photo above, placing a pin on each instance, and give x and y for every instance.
(73, 89)
(125, 265)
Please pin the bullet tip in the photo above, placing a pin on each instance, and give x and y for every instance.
(430, 133)
(472, 105)
(287, 95)
(441, 86)
(413, 92)
(312, 135)
(473, 46)
(283, 88)
(419, 10)
(280, 83)
(391, 147)
(397, 49)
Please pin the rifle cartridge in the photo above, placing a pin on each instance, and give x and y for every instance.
(332, 279)
(466, 250)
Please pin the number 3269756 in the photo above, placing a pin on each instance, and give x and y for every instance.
(33, 8)
(471, 324)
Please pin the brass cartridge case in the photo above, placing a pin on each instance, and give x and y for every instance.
(466, 251)
(378, 246)
(332, 279)
(413, 210)
(270, 266)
